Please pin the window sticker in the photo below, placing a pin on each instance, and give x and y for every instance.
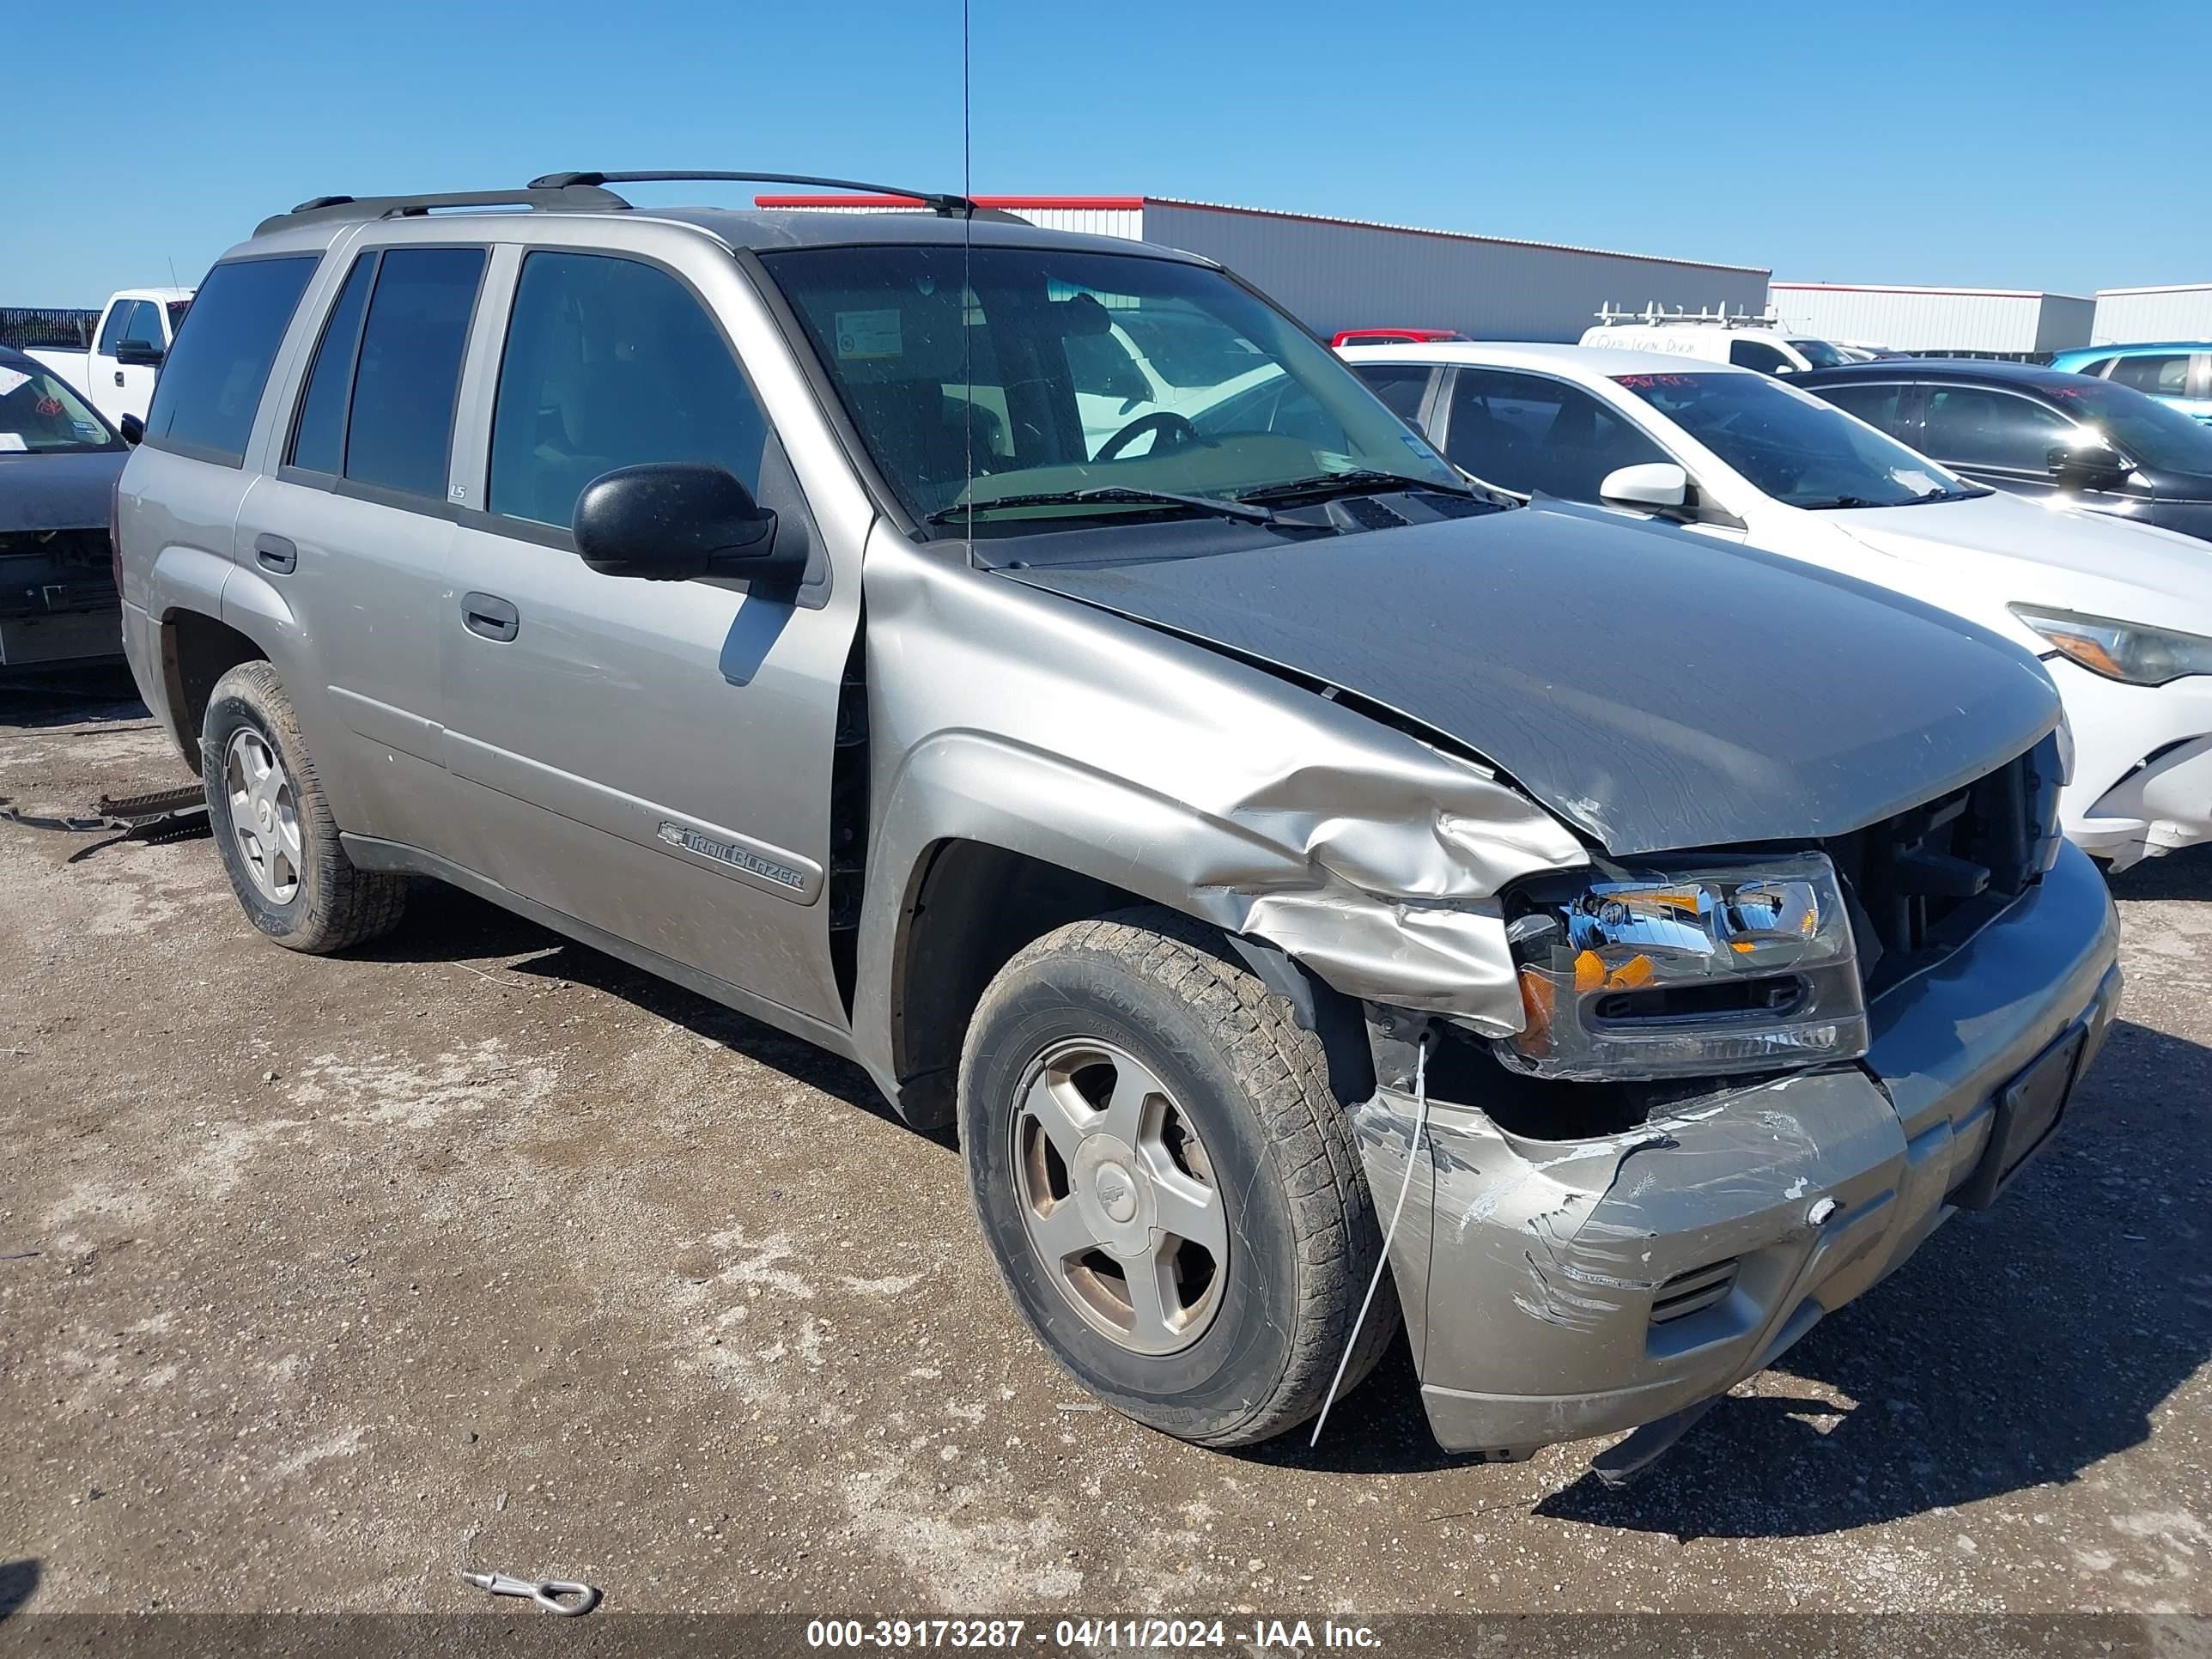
(868, 334)
(10, 379)
(12, 443)
(1912, 479)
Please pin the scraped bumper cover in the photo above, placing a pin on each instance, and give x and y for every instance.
(1555, 1290)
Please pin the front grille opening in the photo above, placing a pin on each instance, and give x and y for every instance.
(1693, 1291)
(1926, 881)
(1778, 995)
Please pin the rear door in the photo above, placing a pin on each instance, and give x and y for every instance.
(352, 531)
(652, 759)
(1890, 406)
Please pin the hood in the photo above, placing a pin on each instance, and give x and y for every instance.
(1655, 689)
(2065, 556)
(58, 492)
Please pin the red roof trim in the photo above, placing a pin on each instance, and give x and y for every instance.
(1070, 203)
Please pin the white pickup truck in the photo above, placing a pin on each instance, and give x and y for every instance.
(117, 373)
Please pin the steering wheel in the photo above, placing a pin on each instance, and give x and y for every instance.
(1174, 433)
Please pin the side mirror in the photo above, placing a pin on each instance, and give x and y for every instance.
(132, 428)
(670, 521)
(1654, 486)
(2089, 465)
(140, 354)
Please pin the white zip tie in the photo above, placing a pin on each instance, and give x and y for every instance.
(1412, 1156)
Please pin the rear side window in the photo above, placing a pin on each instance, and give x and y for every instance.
(2095, 371)
(400, 430)
(611, 362)
(318, 440)
(1877, 405)
(1399, 385)
(211, 385)
(2161, 375)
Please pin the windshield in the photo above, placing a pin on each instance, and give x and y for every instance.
(2151, 433)
(1028, 379)
(1821, 354)
(40, 416)
(1793, 446)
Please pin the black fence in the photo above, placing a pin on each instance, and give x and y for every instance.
(25, 326)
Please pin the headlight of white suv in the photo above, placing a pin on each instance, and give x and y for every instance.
(2119, 650)
(1743, 966)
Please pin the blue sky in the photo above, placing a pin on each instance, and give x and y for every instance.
(2046, 144)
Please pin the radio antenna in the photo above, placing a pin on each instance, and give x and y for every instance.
(966, 284)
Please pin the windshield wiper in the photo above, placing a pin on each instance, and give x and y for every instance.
(1360, 481)
(1106, 496)
(1843, 501)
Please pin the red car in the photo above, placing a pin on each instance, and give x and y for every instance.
(1345, 336)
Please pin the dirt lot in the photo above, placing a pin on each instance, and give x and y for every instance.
(480, 1249)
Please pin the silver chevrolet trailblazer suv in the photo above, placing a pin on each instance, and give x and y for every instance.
(1256, 838)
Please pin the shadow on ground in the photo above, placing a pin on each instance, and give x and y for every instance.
(18, 1579)
(32, 698)
(444, 924)
(2177, 876)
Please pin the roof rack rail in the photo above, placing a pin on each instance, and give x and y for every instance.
(574, 197)
(1608, 314)
(940, 202)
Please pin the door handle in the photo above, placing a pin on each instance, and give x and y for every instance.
(119, 377)
(277, 553)
(488, 617)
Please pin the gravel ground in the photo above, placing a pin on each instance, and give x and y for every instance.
(478, 1248)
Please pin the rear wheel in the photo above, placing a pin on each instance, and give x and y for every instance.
(273, 828)
(1167, 1181)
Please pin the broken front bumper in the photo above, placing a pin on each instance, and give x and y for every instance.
(1555, 1290)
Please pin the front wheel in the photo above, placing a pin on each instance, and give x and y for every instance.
(1167, 1181)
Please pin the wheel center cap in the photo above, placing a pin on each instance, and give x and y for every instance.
(261, 814)
(1117, 1193)
(1110, 1187)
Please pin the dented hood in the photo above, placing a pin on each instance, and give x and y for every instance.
(1653, 689)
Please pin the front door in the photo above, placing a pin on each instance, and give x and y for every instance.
(2004, 438)
(651, 758)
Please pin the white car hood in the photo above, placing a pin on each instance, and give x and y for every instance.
(2003, 548)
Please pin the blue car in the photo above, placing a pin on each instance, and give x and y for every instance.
(2178, 373)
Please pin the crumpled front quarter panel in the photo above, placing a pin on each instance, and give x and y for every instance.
(1016, 718)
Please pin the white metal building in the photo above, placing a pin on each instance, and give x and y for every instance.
(2182, 311)
(1985, 321)
(1348, 273)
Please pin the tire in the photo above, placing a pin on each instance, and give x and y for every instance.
(1243, 1107)
(327, 904)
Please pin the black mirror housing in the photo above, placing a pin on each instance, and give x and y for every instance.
(674, 521)
(132, 428)
(2089, 466)
(137, 353)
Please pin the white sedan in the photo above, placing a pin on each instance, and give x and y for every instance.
(2120, 613)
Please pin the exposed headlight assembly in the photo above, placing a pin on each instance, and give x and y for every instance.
(2123, 651)
(1738, 966)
